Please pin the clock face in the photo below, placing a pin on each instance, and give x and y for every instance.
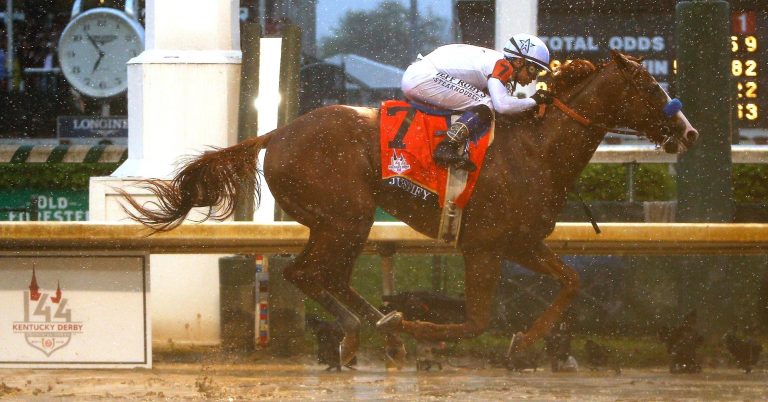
(94, 49)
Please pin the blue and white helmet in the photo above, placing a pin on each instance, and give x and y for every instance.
(528, 47)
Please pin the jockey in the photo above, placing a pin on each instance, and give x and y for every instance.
(476, 81)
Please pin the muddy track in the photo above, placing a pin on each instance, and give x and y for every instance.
(301, 379)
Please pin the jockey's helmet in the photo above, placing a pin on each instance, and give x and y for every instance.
(528, 47)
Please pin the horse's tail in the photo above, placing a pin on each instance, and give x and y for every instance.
(218, 179)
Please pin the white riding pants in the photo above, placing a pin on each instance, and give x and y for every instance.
(423, 83)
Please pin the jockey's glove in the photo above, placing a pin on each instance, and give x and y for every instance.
(542, 96)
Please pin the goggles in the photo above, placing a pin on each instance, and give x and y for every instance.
(532, 69)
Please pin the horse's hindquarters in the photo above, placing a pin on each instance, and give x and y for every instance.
(319, 166)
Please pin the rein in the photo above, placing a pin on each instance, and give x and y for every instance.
(584, 121)
(670, 109)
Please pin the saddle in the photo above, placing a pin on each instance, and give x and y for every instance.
(409, 134)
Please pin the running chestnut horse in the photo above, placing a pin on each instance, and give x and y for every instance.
(324, 171)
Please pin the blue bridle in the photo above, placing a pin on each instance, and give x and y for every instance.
(672, 107)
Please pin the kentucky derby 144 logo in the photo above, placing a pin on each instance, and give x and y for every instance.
(47, 324)
(397, 163)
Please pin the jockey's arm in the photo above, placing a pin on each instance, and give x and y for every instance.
(505, 103)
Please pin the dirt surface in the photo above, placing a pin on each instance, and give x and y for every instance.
(301, 380)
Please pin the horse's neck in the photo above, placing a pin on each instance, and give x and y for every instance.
(569, 145)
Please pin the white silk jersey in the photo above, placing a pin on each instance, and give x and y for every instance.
(473, 64)
(460, 76)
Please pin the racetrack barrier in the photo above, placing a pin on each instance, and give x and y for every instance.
(88, 260)
(117, 153)
(288, 237)
(63, 153)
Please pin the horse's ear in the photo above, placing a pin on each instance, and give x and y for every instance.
(619, 58)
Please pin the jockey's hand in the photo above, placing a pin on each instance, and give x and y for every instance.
(542, 96)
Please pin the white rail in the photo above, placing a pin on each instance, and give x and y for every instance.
(649, 154)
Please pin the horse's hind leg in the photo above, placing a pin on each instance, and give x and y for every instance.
(302, 273)
(395, 349)
(343, 246)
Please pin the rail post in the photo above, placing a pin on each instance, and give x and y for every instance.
(630, 169)
(247, 116)
(237, 274)
(438, 273)
(237, 303)
(290, 72)
(286, 302)
(387, 252)
(286, 310)
(704, 173)
(704, 184)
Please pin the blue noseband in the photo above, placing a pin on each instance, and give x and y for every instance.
(672, 107)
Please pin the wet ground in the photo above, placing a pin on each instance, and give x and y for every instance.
(302, 380)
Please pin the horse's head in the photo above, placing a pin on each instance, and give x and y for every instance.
(642, 105)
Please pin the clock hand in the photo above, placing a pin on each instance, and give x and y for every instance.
(98, 61)
(93, 42)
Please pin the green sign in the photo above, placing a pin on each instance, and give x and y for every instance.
(52, 205)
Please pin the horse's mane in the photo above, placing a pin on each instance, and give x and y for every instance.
(574, 72)
(570, 74)
(566, 77)
(563, 79)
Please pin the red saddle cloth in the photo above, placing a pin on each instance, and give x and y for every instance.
(408, 138)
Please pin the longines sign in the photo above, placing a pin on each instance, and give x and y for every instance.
(92, 127)
(67, 310)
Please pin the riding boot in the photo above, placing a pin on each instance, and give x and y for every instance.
(450, 151)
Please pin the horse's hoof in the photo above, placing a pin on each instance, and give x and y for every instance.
(348, 348)
(395, 356)
(393, 321)
(515, 345)
(394, 351)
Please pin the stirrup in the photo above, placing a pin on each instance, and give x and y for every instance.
(457, 132)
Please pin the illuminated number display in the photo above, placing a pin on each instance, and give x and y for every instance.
(747, 67)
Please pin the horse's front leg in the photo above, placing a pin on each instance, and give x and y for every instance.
(543, 260)
(482, 270)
